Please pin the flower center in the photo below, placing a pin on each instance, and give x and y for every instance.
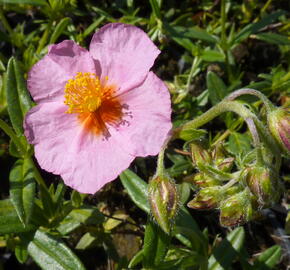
(83, 93)
(95, 103)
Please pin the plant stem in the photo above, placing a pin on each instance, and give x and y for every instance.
(223, 106)
(242, 111)
(256, 140)
(37, 175)
(248, 91)
(160, 162)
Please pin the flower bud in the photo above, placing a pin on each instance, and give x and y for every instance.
(263, 183)
(226, 164)
(199, 154)
(220, 159)
(279, 126)
(236, 210)
(202, 180)
(163, 200)
(206, 198)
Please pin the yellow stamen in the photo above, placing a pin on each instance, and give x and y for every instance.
(83, 93)
(94, 102)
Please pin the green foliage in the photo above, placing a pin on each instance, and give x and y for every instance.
(50, 252)
(209, 49)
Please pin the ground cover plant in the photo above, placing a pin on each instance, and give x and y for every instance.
(184, 104)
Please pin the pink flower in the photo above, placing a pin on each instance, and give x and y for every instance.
(99, 109)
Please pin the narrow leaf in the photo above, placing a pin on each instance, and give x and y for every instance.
(224, 254)
(22, 189)
(24, 98)
(274, 38)
(155, 8)
(192, 33)
(13, 105)
(9, 220)
(253, 28)
(61, 26)
(269, 258)
(51, 253)
(156, 243)
(136, 188)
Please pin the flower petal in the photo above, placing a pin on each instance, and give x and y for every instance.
(96, 163)
(85, 162)
(47, 78)
(148, 122)
(125, 54)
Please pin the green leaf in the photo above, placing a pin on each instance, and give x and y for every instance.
(88, 240)
(155, 8)
(193, 33)
(24, 97)
(28, 2)
(239, 144)
(224, 254)
(18, 99)
(22, 189)
(179, 38)
(190, 133)
(67, 225)
(61, 26)
(156, 243)
(136, 259)
(274, 38)
(21, 253)
(88, 215)
(51, 253)
(212, 56)
(188, 232)
(216, 87)
(136, 188)
(13, 151)
(13, 104)
(269, 258)
(9, 221)
(253, 28)
(93, 26)
(181, 165)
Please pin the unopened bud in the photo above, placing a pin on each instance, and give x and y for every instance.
(279, 126)
(226, 164)
(206, 198)
(163, 200)
(220, 159)
(264, 184)
(199, 154)
(236, 210)
(202, 180)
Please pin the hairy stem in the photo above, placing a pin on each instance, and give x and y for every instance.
(248, 91)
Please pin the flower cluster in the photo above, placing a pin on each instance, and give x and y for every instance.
(239, 195)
